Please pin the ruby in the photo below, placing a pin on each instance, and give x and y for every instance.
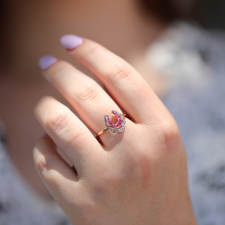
(120, 121)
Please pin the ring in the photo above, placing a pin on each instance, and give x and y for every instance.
(114, 128)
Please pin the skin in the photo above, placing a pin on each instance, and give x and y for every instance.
(138, 176)
(35, 28)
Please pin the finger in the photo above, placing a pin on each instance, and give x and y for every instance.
(64, 156)
(86, 96)
(122, 81)
(70, 134)
(53, 170)
(59, 178)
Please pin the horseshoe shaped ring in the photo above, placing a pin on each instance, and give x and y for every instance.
(114, 128)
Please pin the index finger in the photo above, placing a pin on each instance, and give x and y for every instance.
(123, 82)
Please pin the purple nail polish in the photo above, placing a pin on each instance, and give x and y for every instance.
(70, 41)
(46, 61)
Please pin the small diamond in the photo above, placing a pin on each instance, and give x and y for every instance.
(121, 129)
(114, 128)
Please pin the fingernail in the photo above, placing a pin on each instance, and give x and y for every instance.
(46, 61)
(70, 41)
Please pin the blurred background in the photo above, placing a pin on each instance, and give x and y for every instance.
(209, 13)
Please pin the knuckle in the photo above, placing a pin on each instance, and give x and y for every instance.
(170, 133)
(58, 120)
(120, 70)
(79, 137)
(88, 93)
(41, 164)
(44, 165)
(42, 153)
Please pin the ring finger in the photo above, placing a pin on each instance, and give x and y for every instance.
(85, 95)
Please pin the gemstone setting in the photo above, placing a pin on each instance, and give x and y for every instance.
(114, 128)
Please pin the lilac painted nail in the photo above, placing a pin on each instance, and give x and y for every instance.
(70, 41)
(46, 61)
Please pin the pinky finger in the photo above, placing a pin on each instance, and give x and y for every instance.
(59, 178)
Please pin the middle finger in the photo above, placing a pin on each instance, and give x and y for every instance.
(86, 96)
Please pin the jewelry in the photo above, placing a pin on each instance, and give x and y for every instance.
(114, 128)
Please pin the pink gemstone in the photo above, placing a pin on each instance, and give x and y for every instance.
(119, 120)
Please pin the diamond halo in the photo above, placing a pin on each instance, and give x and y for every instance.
(114, 128)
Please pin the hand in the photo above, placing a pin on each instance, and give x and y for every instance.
(136, 177)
